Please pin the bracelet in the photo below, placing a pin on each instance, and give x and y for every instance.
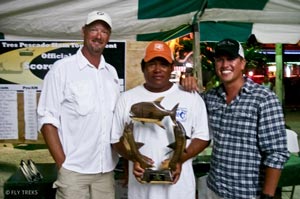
(266, 196)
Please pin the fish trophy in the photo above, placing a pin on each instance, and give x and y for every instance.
(153, 112)
(132, 147)
(178, 146)
(164, 175)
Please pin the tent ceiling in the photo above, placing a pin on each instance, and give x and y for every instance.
(271, 21)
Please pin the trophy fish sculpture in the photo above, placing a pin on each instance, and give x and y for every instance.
(178, 146)
(164, 174)
(132, 147)
(152, 112)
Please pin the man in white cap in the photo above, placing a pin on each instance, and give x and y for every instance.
(75, 114)
(187, 108)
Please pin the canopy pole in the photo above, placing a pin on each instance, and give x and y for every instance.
(197, 57)
(197, 72)
(279, 74)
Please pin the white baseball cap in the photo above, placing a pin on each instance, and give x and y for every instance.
(98, 15)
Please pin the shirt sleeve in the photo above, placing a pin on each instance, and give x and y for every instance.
(200, 123)
(118, 120)
(50, 99)
(271, 132)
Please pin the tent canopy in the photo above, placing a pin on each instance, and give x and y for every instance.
(272, 21)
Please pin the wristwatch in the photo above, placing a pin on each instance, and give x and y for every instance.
(266, 196)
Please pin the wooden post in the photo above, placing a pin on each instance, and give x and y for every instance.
(196, 57)
(279, 72)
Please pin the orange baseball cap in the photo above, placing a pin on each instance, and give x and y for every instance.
(158, 49)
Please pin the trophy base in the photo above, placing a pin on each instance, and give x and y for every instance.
(157, 176)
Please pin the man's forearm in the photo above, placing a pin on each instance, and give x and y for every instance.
(52, 140)
(271, 181)
(194, 148)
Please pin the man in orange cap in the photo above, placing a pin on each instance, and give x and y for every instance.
(157, 66)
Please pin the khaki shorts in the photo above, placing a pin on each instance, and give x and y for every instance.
(75, 185)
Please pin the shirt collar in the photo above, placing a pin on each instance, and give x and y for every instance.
(248, 85)
(83, 62)
(246, 88)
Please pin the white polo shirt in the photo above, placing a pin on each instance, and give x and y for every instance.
(79, 100)
(191, 113)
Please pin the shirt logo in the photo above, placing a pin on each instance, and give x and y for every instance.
(181, 114)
